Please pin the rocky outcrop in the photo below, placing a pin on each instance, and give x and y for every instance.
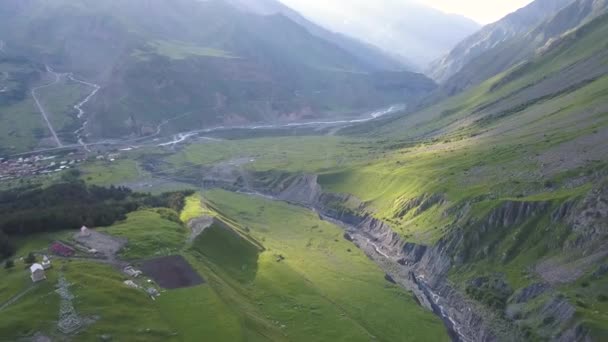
(303, 190)
(530, 292)
(417, 205)
(512, 213)
(424, 269)
(589, 220)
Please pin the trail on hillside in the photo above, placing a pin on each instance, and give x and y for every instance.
(41, 108)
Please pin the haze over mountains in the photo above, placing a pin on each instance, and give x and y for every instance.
(303, 203)
(413, 33)
(209, 62)
(511, 40)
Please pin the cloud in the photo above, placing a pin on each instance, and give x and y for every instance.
(482, 11)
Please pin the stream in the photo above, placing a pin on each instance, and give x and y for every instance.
(181, 137)
(79, 132)
(454, 330)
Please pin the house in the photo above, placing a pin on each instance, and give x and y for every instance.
(132, 272)
(46, 263)
(37, 273)
(131, 284)
(85, 232)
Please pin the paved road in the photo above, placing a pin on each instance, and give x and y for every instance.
(41, 108)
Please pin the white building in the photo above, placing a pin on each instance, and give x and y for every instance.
(37, 273)
(85, 232)
(46, 263)
(132, 272)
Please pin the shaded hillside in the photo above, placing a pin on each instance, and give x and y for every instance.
(511, 40)
(406, 29)
(207, 63)
(368, 54)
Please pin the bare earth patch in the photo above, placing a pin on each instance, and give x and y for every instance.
(556, 271)
(105, 244)
(198, 225)
(575, 153)
(172, 272)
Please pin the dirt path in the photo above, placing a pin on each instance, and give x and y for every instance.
(41, 108)
(16, 297)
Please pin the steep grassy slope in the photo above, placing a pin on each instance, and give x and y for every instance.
(507, 181)
(272, 272)
(21, 124)
(517, 37)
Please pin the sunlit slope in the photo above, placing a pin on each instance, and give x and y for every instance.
(510, 178)
(272, 272)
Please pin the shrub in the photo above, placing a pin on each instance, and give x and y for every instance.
(8, 264)
(30, 258)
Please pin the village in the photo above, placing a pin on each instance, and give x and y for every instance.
(93, 246)
(85, 245)
(40, 165)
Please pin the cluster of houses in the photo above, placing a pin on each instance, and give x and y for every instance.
(37, 270)
(35, 165)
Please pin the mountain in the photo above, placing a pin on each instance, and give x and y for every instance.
(412, 32)
(367, 53)
(511, 40)
(207, 63)
(503, 189)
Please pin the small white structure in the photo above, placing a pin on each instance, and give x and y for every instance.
(37, 273)
(152, 292)
(131, 284)
(46, 263)
(132, 272)
(85, 232)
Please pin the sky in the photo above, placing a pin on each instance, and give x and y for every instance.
(481, 11)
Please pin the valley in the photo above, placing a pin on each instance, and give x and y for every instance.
(254, 179)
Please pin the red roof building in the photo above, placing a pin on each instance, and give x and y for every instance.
(61, 249)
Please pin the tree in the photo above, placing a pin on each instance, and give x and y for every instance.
(8, 264)
(30, 259)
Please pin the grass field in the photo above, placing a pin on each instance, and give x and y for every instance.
(21, 127)
(321, 274)
(182, 50)
(59, 101)
(105, 173)
(272, 272)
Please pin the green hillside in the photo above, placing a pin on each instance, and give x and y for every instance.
(480, 216)
(205, 62)
(272, 272)
(509, 178)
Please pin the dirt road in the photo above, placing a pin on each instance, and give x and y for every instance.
(41, 108)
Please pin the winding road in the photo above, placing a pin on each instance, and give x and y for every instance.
(41, 108)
